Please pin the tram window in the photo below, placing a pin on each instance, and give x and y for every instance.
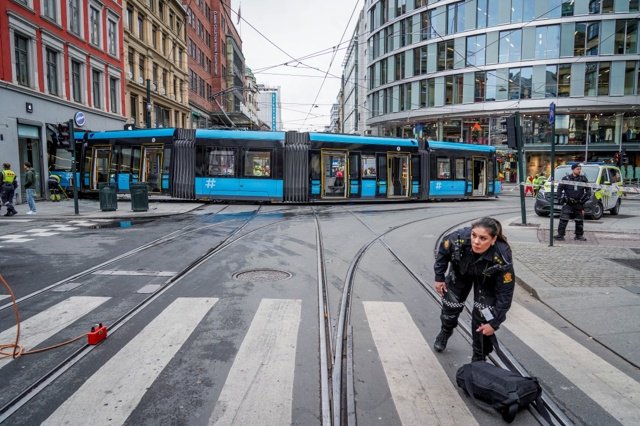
(443, 166)
(460, 168)
(220, 162)
(368, 167)
(125, 160)
(257, 163)
(415, 167)
(166, 166)
(315, 166)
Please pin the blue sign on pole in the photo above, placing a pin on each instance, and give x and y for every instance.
(273, 111)
(552, 113)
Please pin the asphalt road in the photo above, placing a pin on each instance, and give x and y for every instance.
(214, 318)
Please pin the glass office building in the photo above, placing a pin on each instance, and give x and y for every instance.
(456, 68)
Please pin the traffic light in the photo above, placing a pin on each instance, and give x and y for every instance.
(509, 129)
(64, 136)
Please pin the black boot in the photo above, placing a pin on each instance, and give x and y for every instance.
(441, 340)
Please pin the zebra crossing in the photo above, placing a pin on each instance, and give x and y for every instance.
(259, 386)
(47, 231)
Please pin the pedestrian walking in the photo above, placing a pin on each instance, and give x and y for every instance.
(479, 257)
(9, 185)
(573, 192)
(29, 183)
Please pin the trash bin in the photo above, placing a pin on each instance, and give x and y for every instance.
(108, 197)
(139, 197)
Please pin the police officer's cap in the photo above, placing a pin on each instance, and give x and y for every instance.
(574, 165)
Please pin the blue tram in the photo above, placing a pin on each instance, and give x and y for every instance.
(283, 166)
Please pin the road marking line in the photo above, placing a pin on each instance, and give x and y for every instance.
(137, 273)
(609, 387)
(421, 390)
(3, 296)
(44, 234)
(259, 388)
(112, 393)
(45, 324)
(12, 236)
(149, 288)
(63, 228)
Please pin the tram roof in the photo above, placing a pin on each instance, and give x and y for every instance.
(459, 146)
(239, 134)
(357, 139)
(127, 134)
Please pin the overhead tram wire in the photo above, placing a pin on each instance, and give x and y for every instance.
(355, 7)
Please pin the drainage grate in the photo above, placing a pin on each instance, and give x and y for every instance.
(262, 275)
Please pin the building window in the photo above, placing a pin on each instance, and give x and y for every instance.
(399, 63)
(130, 63)
(133, 108)
(455, 17)
(141, 70)
(154, 36)
(547, 42)
(130, 19)
(445, 55)
(491, 86)
(50, 9)
(479, 86)
(564, 80)
(96, 88)
(76, 81)
(112, 37)
(510, 46)
(626, 41)
(630, 74)
(604, 73)
(23, 76)
(113, 94)
(141, 27)
(551, 82)
(52, 72)
(591, 79)
(74, 17)
(476, 50)
(586, 39)
(94, 25)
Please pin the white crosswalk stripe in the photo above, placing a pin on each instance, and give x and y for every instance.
(422, 392)
(259, 388)
(259, 385)
(121, 382)
(613, 390)
(43, 325)
(63, 228)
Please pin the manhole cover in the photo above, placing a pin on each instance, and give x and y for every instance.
(262, 275)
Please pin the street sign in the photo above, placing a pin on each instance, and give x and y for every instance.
(79, 119)
(552, 113)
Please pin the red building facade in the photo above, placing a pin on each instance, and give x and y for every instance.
(57, 58)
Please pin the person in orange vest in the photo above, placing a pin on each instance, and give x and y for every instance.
(9, 185)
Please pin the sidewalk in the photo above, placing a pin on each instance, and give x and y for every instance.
(595, 285)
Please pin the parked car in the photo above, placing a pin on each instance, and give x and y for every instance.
(605, 195)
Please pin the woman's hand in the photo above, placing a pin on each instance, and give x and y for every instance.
(441, 288)
(486, 329)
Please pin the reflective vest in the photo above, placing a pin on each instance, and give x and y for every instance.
(8, 176)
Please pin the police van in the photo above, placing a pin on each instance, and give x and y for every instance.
(606, 191)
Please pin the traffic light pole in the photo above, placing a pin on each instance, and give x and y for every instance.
(521, 176)
(553, 167)
(73, 167)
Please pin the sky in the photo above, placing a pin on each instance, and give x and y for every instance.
(290, 31)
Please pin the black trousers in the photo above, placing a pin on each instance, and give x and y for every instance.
(482, 345)
(453, 303)
(7, 197)
(572, 211)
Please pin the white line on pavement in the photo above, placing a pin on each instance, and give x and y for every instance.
(609, 387)
(110, 395)
(421, 390)
(43, 325)
(259, 388)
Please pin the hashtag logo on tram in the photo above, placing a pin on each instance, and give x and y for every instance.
(211, 183)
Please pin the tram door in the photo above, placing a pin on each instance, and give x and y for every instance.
(99, 167)
(151, 167)
(335, 177)
(479, 176)
(399, 175)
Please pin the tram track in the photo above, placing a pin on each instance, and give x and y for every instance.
(343, 387)
(38, 385)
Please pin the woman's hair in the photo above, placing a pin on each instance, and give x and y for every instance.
(492, 225)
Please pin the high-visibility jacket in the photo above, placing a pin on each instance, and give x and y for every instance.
(8, 176)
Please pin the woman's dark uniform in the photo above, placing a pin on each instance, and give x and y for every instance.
(492, 277)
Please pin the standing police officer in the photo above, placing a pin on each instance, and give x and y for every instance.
(573, 192)
(9, 185)
(480, 257)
